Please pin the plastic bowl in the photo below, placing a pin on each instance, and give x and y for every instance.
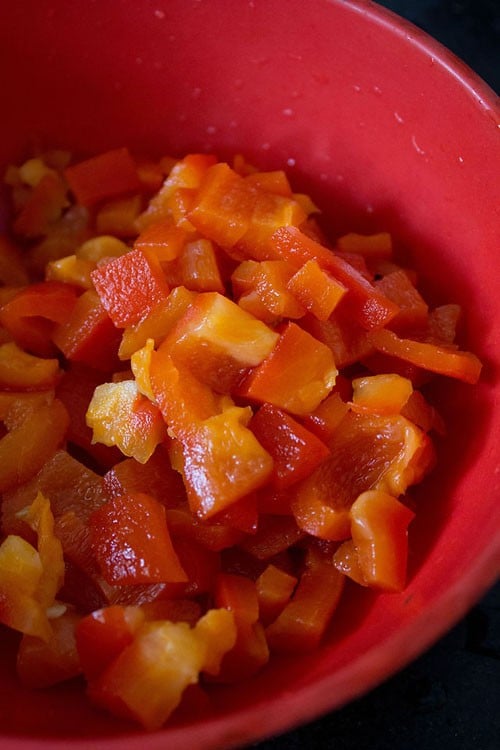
(387, 130)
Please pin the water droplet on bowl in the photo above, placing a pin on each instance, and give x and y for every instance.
(417, 147)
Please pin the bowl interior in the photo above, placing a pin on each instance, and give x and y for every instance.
(386, 130)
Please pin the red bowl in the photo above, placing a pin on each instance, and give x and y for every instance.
(387, 130)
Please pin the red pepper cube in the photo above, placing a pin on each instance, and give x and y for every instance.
(222, 462)
(238, 594)
(196, 267)
(370, 307)
(159, 322)
(324, 420)
(413, 309)
(103, 634)
(34, 312)
(89, 335)
(163, 239)
(270, 212)
(348, 341)
(130, 286)
(368, 451)
(296, 452)
(316, 289)
(107, 175)
(232, 211)
(31, 440)
(303, 621)
(296, 376)
(132, 544)
(156, 477)
(223, 207)
(274, 590)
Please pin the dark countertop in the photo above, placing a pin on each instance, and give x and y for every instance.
(449, 697)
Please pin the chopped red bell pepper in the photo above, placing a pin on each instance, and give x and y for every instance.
(89, 336)
(370, 307)
(132, 543)
(32, 314)
(108, 175)
(296, 376)
(35, 434)
(295, 451)
(103, 634)
(22, 371)
(130, 286)
(439, 359)
(42, 664)
(303, 621)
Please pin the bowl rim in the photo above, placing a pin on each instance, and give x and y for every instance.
(310, 702)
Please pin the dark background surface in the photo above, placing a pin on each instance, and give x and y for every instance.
(449, 699)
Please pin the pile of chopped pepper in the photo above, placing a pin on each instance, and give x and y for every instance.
(210, 416)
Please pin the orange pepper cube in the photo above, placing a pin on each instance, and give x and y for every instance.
(316, 289)
(182, 398)
(384, 394)
(196, 268)
(223, 207)
(162, 239)
(22, 371)
(130, 286)
(297, 375)
(379, 532)
(217, 340)
(269, 281)
(147, 679)
(120, 415)
(184, 179)
(230, 210)
(368, 245)
(222, 461)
